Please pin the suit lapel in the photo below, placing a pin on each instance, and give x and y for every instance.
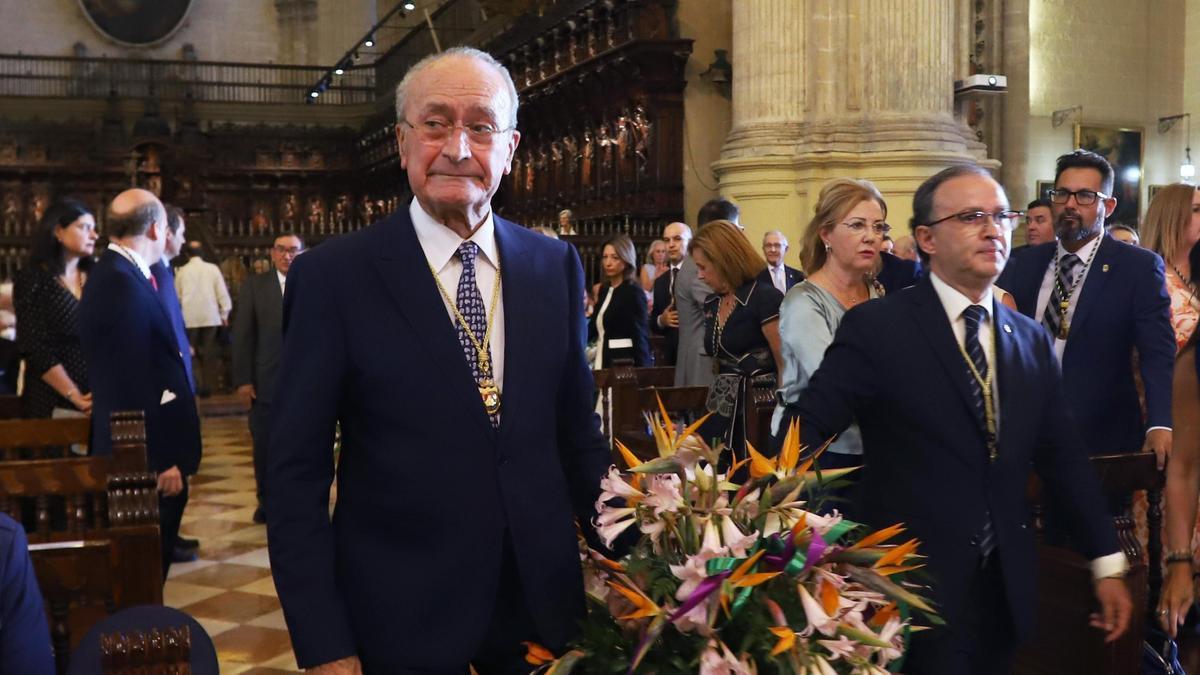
(405, 274)
(1007, 366)
(519, 287)
(144, 287)
(931, 317)
(1093, 287)
(1037, 260)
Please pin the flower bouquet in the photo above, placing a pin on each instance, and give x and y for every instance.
(732, 579)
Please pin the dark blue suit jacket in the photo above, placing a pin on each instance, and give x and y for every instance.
(24, 634)
(166, 293)
(1122, 307)
(406, 573)
(133, 357)
(926, 460)
(791, 277)
(896, 273)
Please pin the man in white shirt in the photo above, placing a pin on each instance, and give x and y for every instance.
(206, 306)
(955, 406)
(778, 274)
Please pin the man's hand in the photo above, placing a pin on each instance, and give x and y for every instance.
(1115, 608)
(1176, 598)
(1158, 441)
(669, 318)
(346, 666)
(170, 482)
(246, 394)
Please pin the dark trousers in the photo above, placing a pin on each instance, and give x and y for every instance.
(983, 642)
(170, 514)
(501, 652)
(204, 363)
(260, 427)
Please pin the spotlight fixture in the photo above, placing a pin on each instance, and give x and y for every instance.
(370, 41)
(314, 93)
(351, 56)
(410, 6)
(339, 70)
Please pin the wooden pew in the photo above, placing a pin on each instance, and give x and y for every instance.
(617, 390)
(76, 506)
(1063, 641)
(10, 407)
(633, 393)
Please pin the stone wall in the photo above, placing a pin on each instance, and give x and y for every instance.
(707, 111)
(304, 32)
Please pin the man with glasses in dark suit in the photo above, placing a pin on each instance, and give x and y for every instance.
(1100, 301)
(257, 342)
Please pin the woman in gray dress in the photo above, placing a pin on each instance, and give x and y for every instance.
(839, 251)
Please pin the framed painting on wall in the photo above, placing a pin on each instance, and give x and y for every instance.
(1043, 189)
(1122, 147)
(1151, 191)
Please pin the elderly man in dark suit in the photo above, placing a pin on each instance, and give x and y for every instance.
(447, 343)
(955, 406)
(133, 355)
(257, 342)
(1100, 301)
(778, 273)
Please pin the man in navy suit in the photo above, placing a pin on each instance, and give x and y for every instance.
(133, 355)
(778, 274)
(955, 406)
(185, 548)
(446, 342)
(1115, 302)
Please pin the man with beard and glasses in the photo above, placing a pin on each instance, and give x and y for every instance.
(1100, 301)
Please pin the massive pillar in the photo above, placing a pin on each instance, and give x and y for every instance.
(831, 88)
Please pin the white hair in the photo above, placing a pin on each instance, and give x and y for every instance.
(782, 237)
(469, 52)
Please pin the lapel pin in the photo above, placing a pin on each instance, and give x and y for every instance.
(1105, 268)
(1007, 328)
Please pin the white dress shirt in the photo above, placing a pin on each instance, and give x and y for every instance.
(202, 294)
(282, 281)
(778, 277)
(440, 245)
(954, 303)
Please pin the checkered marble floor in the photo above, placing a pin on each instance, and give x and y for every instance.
(229, 590)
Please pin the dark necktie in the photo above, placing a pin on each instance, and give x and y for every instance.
(974, 316)
(1067, 269)
(470, 305)
(671, 285)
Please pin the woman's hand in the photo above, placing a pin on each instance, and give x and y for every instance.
(1176, 597)
(82, 402)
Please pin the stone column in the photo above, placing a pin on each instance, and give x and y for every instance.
(831, 88)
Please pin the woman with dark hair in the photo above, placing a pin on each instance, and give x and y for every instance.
(741, 326)
(46, 296)
(620, 323)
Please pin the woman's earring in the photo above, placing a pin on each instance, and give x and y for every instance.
(828, 247)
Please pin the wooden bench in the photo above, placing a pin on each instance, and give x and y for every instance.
(10, 407)
(1063, 642)
(617, 388)
(87, 518)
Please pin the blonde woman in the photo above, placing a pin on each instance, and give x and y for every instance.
(839, 251)
(656, 264)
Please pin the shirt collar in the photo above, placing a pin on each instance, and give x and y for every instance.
(1083, 252)
(132, 256)
(282, 279)
(954, 302)
(440, 243)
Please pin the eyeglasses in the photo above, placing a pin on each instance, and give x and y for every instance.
(1082, 197)
(435, 131)
(1006, 220)
(287, 250)
(859, 227)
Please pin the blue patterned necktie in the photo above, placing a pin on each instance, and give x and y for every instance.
(1052, 318)
(470, 305)
(974, 316)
